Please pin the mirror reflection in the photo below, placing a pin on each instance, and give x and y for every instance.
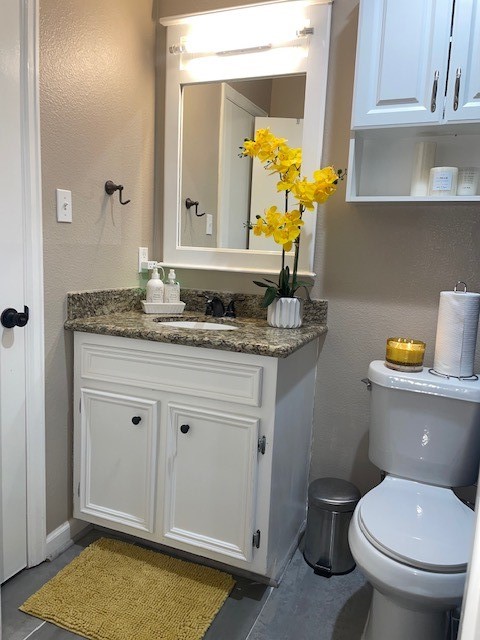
(221, 191)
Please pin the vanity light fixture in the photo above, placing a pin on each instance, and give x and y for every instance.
(244, 30)
(230, 63)
(183, 46)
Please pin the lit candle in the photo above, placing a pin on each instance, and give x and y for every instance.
(405, 354)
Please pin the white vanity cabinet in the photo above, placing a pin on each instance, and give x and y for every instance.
(417, 78)
(201, 450)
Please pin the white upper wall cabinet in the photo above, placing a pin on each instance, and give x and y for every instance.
(463, 91)
(402, 61)
(402, 65)
(417, 86)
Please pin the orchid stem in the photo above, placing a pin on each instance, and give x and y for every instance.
(295, 260)
(283, 250)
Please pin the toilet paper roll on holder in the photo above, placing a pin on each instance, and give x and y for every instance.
(445, 375)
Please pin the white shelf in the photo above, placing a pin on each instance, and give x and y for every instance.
(413, 199)
(381, 161)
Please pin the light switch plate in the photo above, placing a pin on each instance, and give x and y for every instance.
(64, 205)
(209, 224)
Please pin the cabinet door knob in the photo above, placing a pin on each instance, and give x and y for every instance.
(185, 428)
(136, 420)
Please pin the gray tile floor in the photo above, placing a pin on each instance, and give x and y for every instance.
(303, 607)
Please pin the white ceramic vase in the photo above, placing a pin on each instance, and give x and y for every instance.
(285, 313)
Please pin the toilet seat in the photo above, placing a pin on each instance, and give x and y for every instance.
(422, 526)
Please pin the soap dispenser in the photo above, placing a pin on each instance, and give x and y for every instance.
(155, 287)
(172, 288)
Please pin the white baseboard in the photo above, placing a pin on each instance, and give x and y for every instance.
(64, 536)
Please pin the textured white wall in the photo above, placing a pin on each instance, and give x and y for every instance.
(381, 268)
(97, 123)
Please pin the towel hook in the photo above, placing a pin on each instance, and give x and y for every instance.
(111, 187)
(189, 203)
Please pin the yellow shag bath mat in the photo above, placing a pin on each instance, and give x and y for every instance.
(118, 591)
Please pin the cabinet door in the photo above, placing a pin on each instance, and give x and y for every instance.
(211, 479)
(118, 453)
(402, 58)
(463, 92)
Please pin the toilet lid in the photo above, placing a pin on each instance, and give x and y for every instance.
(419, 525)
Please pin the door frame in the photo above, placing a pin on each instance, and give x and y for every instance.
(34, 297)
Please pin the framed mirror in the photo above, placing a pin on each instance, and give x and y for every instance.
(228, 189)
(230, 73)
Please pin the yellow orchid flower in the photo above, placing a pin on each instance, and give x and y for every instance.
(327, 174)
(304, 192)
(288, 179)
(325, 183)
(294, 218)
(272, 215)
(265, 146)
(288, 228)
(285, 228)
(267, 225)
(259, 228)
(250, 148)
(281, 237)
(286, 160)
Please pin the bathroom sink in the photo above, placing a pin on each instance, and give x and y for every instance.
(204, 326)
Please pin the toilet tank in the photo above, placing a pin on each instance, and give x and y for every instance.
(424, 427)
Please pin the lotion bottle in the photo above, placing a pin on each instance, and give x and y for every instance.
(155, 287)
(172, 288)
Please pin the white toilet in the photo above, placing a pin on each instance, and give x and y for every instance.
(411, 536)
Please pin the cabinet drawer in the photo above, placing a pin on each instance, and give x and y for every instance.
(218, 379)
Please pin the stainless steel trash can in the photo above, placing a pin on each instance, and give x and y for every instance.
(331, 503)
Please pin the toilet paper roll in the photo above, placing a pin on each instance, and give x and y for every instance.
(456, 333)
(423, 161)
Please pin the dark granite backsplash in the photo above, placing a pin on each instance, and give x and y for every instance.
(83, 304)
(106, 301)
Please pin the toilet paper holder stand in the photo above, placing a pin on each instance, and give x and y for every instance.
(445, 375)
(464, 286)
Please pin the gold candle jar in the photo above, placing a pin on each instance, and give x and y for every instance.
(405, 354)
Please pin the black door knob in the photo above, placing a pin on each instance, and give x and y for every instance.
(185, 428)
(12, 318)
(136, 420)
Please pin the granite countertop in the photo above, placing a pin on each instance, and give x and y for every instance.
(116, 312)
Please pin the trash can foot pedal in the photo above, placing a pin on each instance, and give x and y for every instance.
(321, 570)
